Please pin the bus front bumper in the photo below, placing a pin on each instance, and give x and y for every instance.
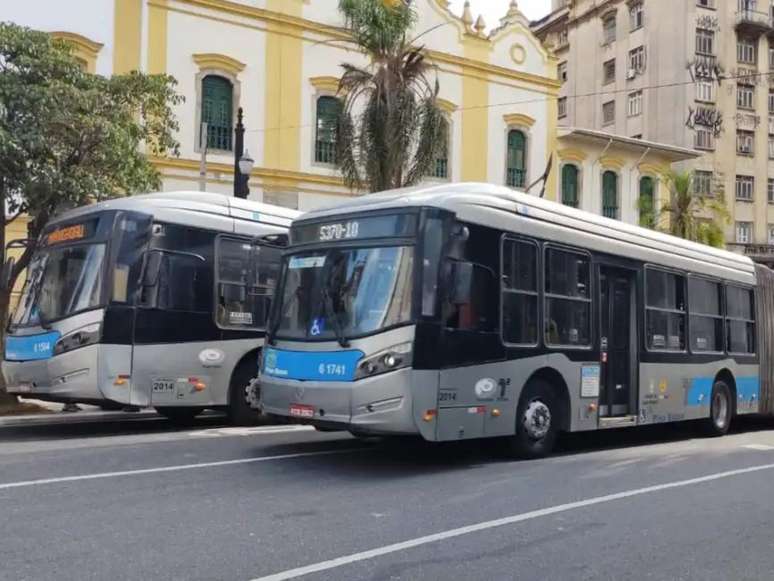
(380, 405)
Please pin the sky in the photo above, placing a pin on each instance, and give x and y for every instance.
(493, 10)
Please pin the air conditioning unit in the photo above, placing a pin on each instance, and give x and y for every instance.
(631, 74)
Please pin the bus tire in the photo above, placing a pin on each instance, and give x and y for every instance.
(537, 422)
(721, 410)
(239, 411)
(182, 416)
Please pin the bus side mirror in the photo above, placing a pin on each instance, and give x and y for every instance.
(7, 272)
(150, 275)
(461, 283)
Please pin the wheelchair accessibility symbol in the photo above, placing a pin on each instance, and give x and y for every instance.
(318, 325)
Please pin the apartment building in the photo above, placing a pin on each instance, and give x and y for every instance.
(692, 74)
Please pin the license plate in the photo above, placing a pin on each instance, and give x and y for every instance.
(163, 385)
(301, 411)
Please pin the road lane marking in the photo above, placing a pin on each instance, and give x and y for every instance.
(509, 520)
(161, 469)
(759, 447)
(250, 431)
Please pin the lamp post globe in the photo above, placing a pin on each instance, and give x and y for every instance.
(246, 164)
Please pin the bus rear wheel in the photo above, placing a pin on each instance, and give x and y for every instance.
(537, 422)
(721, 410)
(179, 415)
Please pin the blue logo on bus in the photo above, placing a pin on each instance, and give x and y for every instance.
(30, 347)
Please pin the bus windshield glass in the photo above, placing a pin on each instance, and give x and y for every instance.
(345, 293)
(62, 280)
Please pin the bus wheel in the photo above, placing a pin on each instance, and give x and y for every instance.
(239, 411)
(537, 422)
(179, 415)
(721, 410)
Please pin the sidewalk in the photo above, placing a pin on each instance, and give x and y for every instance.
(88, 413)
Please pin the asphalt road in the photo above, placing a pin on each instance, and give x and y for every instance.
(137, 498)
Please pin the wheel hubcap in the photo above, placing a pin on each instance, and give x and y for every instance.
(720, 410)
(537, 420)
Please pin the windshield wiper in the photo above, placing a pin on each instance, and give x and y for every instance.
(330, 311)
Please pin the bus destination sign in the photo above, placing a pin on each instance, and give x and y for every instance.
(71, 233)
(385, 226)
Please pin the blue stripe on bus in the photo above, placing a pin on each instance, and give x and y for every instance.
(700, 391)
(30, 347)
(311, 365)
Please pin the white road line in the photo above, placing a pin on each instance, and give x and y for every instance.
(759, 447)
(509, 520)
(161, 469)
(250, 431)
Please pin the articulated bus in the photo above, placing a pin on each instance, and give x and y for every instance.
(155, 300)
(465, 311)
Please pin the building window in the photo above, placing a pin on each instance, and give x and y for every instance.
(705, 300)
(771, 235)
(328, 114)
(217, 111)
(705, 91)
(706, 3)
(570, 174)
(647, 202)
(745, 96)
(520, 292)
(771, 57)
(636, 16)
(746, 51)
(705, 42)
(635, 104)
(665, 310)
(745, 142)
(568, 298)
(771, 101)
(563, 72)
(740, 319)
(440, 169)
(704, 139)
(608, 72)
(608, 113)
(562, 103)
(702, 183)
(608, 28)
(610, 195)
(517, 159)
(636, 60)
(745, 187)
(771, 146)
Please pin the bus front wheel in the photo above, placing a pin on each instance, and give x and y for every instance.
(179, 415)
(537, 422)
(239, 411)
(721, 410)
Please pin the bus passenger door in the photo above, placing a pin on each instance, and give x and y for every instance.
(617, 342)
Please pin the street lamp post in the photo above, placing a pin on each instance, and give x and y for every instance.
(243, 164)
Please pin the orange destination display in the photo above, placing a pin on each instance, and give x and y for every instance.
(67, 234)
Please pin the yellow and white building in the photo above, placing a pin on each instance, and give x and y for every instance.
(280, 61)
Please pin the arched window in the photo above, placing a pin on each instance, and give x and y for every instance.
(610, 195)
(570, 195)
(517, 159)
(647, 202)
(217, 111)
(328, 113)
(440, 169)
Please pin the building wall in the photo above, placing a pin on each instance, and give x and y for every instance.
(282, 54)
(669, 90)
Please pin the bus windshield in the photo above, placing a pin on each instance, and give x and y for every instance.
(62, 280)
(340, 293)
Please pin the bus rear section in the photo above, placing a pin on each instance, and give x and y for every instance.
(527, 319)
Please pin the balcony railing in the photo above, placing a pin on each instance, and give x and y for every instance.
(753, 21)
(516, 178)
(761, 253)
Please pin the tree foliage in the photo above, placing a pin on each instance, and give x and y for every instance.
(686, 214)
(391, 128)
(68, 137)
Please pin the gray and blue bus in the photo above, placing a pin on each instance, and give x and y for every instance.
(155, 300)
(467, 311)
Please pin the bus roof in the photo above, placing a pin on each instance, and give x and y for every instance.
(202, 209)
(519, 212)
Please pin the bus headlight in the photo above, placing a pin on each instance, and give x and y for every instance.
(88, 335)
(395, 357)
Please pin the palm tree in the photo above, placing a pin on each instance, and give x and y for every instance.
(687, 214)
(391, 129)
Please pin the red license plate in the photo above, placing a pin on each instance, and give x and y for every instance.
(298, 410)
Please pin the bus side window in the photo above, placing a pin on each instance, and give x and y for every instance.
(740, 320)
(480, 314)
(664, 310)
(568, 298)
(520, 293)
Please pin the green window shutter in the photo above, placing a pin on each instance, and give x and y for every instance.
(647, 202)
(517, 159)
(570, 186)
(328, 114)
(610, 195)
(217, 111)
